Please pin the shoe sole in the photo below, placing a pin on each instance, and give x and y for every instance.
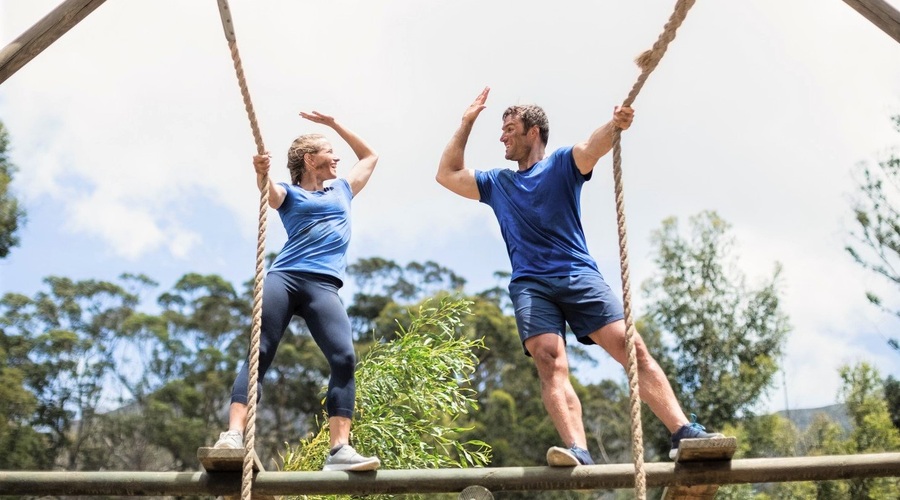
(561, 457)
(357, 467)
(226, 447)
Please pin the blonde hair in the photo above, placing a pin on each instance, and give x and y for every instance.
(308, 143)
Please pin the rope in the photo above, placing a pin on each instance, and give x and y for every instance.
(647, 62)
(250, 430)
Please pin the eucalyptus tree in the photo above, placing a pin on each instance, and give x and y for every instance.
(63, 344)
(724, 338)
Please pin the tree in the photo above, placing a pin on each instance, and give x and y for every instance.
(863, 393)
(724, 337)
(189, 362)
(23, 447)
(12, 215)
(877, 234)
(65, 342)
(381, 282)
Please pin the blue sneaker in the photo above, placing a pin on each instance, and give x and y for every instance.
(692, 430)
(562, 457)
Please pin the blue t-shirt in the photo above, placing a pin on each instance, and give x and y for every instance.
(539, 212)
(318, 229)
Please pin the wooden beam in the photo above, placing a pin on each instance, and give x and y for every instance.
(592, 477)
(43, 33)
(881, 14)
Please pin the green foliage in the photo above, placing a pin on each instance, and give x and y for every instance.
(872, 432)
(765, 436)
(863, 393)
(411, 394)
(726, 338)
(823, 437)
(72, 335)
(877, 234)
(12, 215)
(23, 447)
(188, 354)
(892, 396)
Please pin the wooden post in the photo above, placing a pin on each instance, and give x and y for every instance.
(881, 14)
(44, 32)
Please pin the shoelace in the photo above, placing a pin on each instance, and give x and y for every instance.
(694, 423)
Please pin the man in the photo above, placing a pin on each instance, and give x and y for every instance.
(554, 278)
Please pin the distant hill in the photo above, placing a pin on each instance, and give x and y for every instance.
(804, 417)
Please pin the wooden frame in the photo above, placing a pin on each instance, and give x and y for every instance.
(591, 477)
(43, 33)
(70, 12)
(881, 14)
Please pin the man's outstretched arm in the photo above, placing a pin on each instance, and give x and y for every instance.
(452, 172)
(589, 152)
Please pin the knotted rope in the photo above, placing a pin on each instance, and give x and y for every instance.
(647, 62)
(250, 430)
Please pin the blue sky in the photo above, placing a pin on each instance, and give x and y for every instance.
(134, 147)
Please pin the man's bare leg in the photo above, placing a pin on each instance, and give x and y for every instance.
(654, 386)
(562, 404)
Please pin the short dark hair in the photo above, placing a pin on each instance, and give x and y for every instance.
(531, 115)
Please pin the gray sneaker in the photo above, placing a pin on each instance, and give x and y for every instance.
(230, 440)
(346, 458)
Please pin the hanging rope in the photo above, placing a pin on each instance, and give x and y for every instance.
(647, 62)
(250, 430)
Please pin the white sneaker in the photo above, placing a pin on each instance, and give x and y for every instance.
(561, 457)
(348, 459)
(230, 440)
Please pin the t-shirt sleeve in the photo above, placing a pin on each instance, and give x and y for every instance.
(344, 186)
(565, 158)
(288, 199)
(485, 183)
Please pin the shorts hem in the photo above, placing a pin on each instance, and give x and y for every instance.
(585, 338)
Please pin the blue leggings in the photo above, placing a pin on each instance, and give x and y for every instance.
(314, 297)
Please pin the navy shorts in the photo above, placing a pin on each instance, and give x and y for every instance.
(545, 305)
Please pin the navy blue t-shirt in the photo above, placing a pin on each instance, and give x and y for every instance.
(539, 211)
(318, 229)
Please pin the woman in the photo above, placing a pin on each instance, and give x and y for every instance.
(305, 278)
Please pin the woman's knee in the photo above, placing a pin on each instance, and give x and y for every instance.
(343, 364)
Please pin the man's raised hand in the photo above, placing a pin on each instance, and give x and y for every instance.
(477, 106)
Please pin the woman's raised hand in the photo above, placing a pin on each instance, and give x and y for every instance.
(317, 117)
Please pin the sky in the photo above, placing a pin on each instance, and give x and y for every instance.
(134, 148)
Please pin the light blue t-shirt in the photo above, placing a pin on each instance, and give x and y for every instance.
(539, 211)
(318, 229)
